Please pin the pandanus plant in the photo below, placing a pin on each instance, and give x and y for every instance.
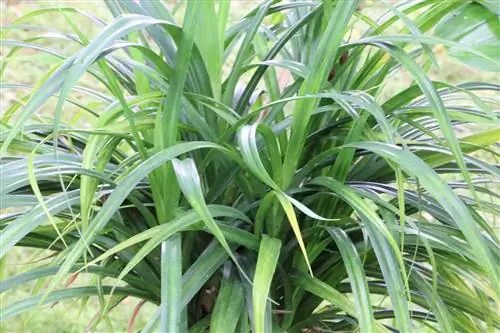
(255, 176)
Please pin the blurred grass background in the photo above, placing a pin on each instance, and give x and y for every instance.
(29, 69)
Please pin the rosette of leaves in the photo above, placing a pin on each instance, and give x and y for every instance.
(196, 178)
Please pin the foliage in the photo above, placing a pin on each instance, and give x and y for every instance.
(251, 176)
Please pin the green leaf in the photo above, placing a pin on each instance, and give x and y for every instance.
(476, 27)
(60, 295)
(210, 41)
(171, 279)
(91, 166)
(447, 198)
(25, 223)
(241, 57)
(78, 64)
(230, 301)
(190, 184)
(118, 195)
(320, 66)
(324, 291)
(267, 261)
(492, 5)
(386, 249)
(160, 233)
(357, 278)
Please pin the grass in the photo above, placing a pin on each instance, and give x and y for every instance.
(67, 316)
(255, 181)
